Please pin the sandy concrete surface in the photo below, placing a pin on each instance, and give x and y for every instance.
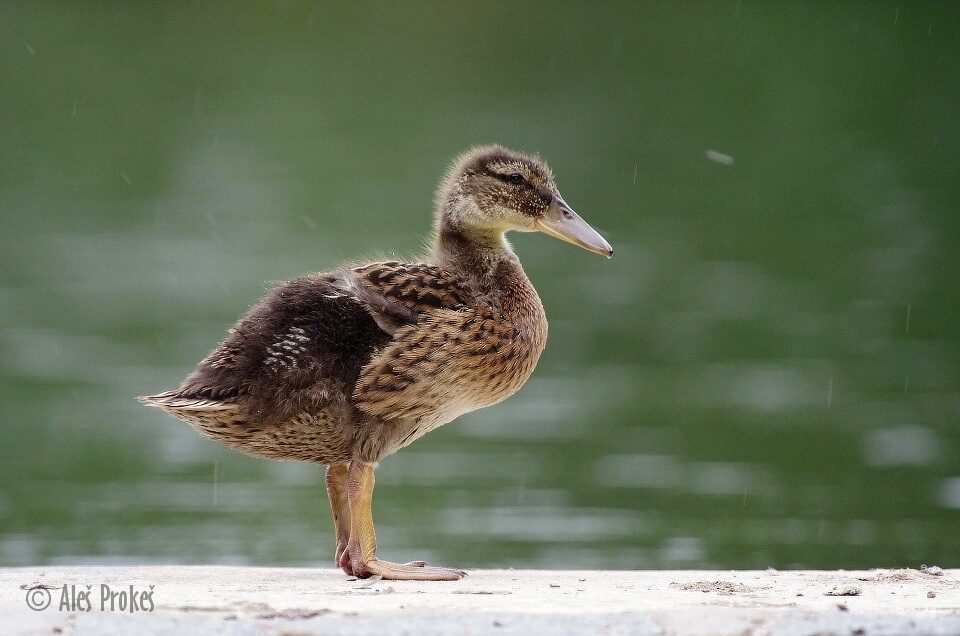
(189, 600)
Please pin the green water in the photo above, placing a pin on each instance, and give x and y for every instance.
(766, 374)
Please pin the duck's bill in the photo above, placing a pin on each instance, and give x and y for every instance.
(560, 221)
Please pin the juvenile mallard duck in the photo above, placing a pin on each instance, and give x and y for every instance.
(345, 368)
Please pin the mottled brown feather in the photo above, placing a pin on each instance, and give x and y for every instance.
(419, 287)
(450, 363)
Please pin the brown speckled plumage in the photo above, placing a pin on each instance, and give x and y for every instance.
(351, 365)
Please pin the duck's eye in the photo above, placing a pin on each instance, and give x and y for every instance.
(515, 178)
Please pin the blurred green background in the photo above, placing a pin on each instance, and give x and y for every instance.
(766, 374)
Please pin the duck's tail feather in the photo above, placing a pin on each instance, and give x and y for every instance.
(172, 400)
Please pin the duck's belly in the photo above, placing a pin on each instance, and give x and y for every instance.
(316, 437)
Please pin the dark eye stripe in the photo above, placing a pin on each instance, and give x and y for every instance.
(510, 178)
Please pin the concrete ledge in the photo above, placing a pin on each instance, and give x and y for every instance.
(240, 600)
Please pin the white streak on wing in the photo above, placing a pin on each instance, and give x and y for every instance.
(288, 351)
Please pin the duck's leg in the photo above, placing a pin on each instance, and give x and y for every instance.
(340, 505)
(362, 546)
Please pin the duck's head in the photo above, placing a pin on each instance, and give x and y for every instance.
(491, 190)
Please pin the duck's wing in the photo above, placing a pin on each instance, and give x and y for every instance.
(299, 349)
(305, 344)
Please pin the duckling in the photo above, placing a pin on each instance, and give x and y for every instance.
(346, 367)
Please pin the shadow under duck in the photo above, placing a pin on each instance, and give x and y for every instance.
(346, 367)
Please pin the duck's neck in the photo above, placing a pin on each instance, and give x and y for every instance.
(485, 262)
(476, 253)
